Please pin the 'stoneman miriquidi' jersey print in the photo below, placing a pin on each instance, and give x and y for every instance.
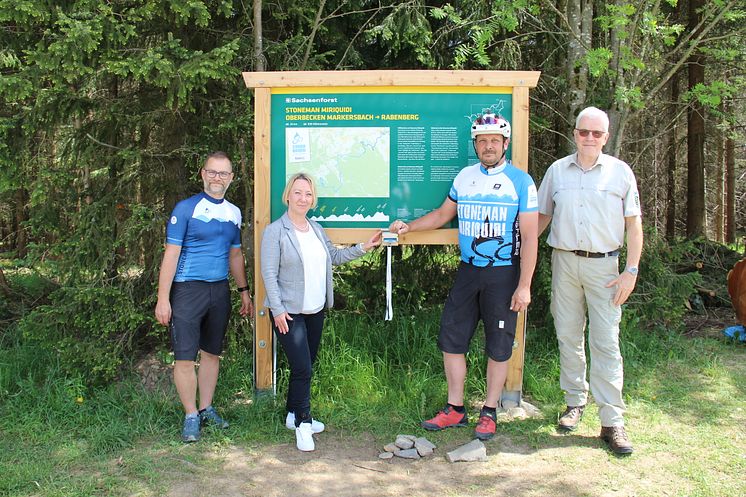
(206, 229)
(489, 201)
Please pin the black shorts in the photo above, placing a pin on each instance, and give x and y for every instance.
(480, 293)
(199, 317)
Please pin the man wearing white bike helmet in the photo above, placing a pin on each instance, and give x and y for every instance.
(496, 205)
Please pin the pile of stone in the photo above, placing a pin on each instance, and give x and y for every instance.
(408, 447)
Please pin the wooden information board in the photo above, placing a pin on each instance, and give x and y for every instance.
(382, 145)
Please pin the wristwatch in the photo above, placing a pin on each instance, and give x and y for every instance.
(632, 270)
(242, 289)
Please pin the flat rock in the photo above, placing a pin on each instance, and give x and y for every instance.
(390, 447)
(407, 454)
(424, 451)
(404, 442)
(473, 451)
(423, 442)
(517, 413)
(531, 410)
(501, 416)
(385, 455)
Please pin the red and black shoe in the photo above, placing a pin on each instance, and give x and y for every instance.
(485, 426)
(447, 418)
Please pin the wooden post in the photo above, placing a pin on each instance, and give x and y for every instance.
(263, 356)
(514, 382)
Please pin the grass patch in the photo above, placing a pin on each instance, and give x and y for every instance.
(686, 410)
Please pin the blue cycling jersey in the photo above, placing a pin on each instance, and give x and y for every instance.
(206, 229)
(489, 201)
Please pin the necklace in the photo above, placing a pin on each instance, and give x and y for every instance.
(302, 229)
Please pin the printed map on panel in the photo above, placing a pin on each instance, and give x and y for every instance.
(345, 162)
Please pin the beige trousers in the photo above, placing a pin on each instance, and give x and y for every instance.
(579, 287)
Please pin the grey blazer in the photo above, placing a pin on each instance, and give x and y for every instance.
(282, 265)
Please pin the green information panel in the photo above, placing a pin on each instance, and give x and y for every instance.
(375, 157)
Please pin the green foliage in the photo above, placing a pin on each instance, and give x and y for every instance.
(421, 277)
(598, 60)
(710, 95)
(405, 28)
(486, 31)
(92, 329)
(661, 297)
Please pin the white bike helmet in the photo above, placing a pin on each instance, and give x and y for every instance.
(490, 124)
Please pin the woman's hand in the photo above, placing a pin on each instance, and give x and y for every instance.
(281, 322)
(374, 241)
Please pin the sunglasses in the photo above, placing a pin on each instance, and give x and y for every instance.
(584, 132)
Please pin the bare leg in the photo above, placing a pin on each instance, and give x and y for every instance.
(497, 373)
(455, 368)
(209, 365)
(186, 385)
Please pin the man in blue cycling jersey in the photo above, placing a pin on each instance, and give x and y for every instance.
(203, 244)
(496, 205)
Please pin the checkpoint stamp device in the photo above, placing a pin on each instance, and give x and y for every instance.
(389, 239)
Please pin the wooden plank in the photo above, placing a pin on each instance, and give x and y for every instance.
(300, 79)
(351, 236)
(514, 381)
(519, 128)
(263, 357)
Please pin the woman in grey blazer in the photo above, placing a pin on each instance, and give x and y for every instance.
(296, 262)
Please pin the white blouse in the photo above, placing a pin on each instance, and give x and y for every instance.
(314, 271)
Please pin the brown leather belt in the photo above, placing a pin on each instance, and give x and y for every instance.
(595, 255)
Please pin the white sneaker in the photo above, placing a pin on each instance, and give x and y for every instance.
(304, 437)
(316, 426)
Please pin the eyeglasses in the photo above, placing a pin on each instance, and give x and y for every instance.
(223, 174)
(596, 133)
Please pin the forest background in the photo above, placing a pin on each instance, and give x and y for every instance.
(108, 108)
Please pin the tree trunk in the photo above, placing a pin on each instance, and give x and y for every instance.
(247, 234)
(580, 20)
(258, 42)
(21, 216)
(4, 286)
(730, 189)
(695, 212)
(719, 184)
(672, 162)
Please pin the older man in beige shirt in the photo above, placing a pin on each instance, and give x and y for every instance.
(591, 199)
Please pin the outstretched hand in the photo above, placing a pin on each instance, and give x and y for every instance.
(399, 227)
(374, 241)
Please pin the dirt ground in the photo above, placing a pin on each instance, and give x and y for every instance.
(576, 465)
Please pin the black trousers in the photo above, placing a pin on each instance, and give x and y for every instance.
(301, 344)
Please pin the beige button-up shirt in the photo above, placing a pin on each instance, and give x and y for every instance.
(588, 207)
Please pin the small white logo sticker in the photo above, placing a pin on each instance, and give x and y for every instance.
(173, 219)
(533, 200)
(501, 324)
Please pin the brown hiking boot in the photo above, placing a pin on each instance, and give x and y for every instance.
(617, 439)
(570, 418)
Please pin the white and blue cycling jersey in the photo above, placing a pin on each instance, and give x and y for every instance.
(489, 201)
(206, 229)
